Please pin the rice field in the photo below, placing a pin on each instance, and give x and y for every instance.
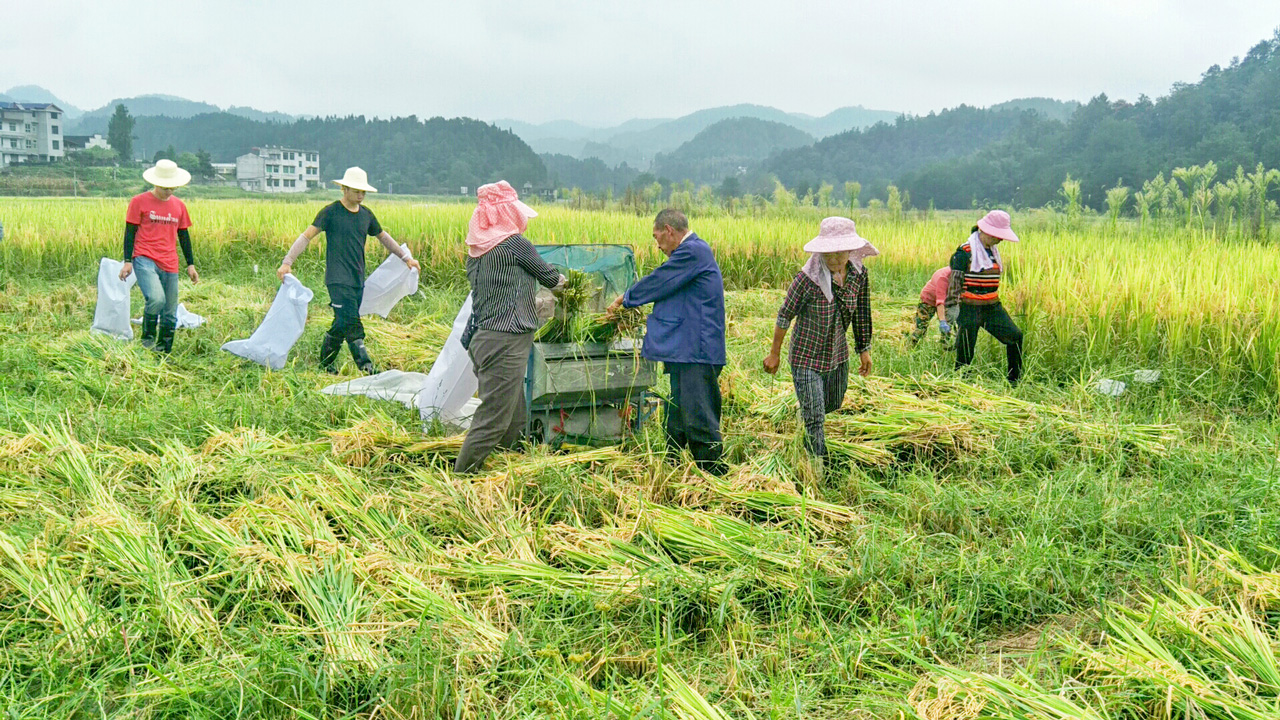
(1205, 312)
(199, 537)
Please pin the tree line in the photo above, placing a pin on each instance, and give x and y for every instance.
(435, 155)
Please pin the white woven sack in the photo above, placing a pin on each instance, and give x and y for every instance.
(111, 316)
(270, 344)
(386, 286)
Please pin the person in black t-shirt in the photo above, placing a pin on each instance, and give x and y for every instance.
(345, 224)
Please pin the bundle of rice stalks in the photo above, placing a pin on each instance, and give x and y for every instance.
(407, 595)
(48, 587)
(689, 703)
(368, 439)
(339, 609)
(699, 537)
(625, 322)
(574, 296)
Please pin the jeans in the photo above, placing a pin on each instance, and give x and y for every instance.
(160, 289)
(1000, 325)
(819, 394)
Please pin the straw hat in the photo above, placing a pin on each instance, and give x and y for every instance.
(997, 224)
(838, 234)
(356, 179)
(166, 174)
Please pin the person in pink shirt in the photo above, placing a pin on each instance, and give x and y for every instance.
(933, 300)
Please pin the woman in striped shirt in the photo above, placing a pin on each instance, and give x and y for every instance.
(504, 271)
(973, 294)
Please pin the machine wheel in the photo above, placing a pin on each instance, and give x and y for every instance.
(537, 431)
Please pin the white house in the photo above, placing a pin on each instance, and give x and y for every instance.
(30, 132)
(76, 143)
(278, 170)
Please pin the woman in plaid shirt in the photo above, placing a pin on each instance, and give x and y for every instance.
(830, 293)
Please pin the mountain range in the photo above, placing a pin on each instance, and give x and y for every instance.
(636, 142)
(88, 122)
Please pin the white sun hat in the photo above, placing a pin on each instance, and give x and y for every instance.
(356, 179)
(166, 174)
(838, 234)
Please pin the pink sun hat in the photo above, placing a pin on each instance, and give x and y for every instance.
(499, 214)
(997, 224)
(838, 234)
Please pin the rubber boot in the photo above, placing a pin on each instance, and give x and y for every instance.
(360, 354)
(149, 325)
(329, 348)
(164, 340)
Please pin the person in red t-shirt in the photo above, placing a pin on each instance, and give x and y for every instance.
(154, 225)
(933, 299)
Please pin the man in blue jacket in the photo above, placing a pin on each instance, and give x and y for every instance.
(685, 332)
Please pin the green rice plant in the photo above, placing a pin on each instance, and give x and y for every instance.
(54, 591)
(574, 296)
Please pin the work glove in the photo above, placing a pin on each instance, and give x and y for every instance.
(944, 326)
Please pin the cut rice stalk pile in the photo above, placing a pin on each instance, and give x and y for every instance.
(882, 418)
(1179, 653)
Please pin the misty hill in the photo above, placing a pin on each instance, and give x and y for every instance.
(95, 121)
(727, 148)
(417, 156)
(1060, 110)
(37, 94)
(1007, 155)
(878, 155)
(591, 175)
(636, 142)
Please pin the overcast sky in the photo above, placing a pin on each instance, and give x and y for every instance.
(601, 62)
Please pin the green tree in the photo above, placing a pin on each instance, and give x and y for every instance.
(1260, 180)
(95, 156)
(1117, 198)
(894, 202)
(852, 190)
(824, 194)
(203, 166)
(120, 133)
(1071, 195)
(169, 153)
(730, 187)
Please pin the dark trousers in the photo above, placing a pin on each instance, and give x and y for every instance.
(693, 413)
(997, 322)
(819, 394)
(345, 301)
(500, 360)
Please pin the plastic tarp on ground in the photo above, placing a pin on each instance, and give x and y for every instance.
(403, 387)
(187, 320)
(111, 316)
(452, 380)
(386, 286)
(270, 344)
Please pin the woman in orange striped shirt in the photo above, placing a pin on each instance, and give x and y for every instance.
(973, 293)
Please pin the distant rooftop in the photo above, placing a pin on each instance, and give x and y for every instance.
(28, 106)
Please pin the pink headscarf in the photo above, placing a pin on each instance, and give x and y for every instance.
(499, 214)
